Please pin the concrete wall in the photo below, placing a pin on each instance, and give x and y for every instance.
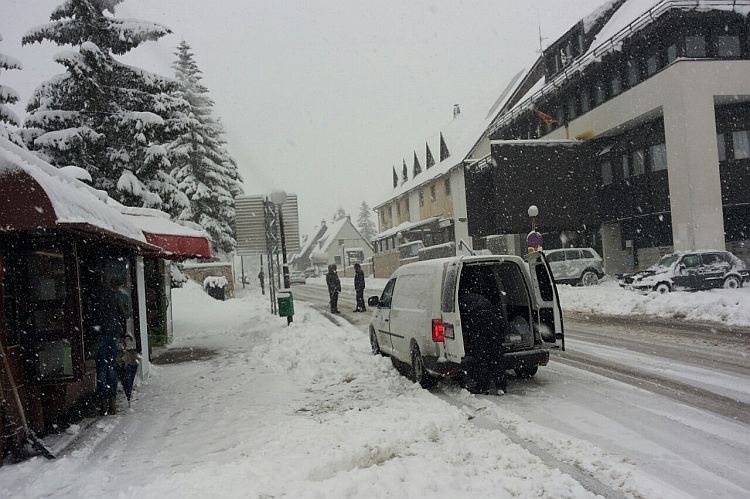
(684, 93)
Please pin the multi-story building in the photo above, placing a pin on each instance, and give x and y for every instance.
(636, 139)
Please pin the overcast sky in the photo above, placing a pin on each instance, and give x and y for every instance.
(321, 97)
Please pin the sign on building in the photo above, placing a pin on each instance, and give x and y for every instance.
(250, 225)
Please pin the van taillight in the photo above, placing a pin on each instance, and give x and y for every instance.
(438, 331)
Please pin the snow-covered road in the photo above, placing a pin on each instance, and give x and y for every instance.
(306, 411)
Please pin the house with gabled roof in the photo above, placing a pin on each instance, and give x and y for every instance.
(339, 242)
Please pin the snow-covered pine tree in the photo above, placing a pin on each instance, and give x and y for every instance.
(205, 171)
(404, 173)
(100, 114)
(364, 222)
(8, 96)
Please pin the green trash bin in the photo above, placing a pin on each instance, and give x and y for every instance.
(286, 304)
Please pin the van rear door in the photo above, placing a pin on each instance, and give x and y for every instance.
(454, 341)
(547, 311)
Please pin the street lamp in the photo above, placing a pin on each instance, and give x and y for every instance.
(533, 212)
(534, 240)
(278, 197)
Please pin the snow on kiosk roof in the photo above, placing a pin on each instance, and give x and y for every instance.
(37, 195)
(177, 242)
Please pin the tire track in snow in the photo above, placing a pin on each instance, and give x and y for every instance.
(586, 479)
(682, 392)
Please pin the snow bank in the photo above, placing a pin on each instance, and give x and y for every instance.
(727, 306)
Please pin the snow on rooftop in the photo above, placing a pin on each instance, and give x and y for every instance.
(73, 201)
(461, 134)
(405, 227)
(330, 234)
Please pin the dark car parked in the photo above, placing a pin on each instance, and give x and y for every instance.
(694, 270)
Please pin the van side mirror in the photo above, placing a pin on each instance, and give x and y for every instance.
(681, 268)
(373, 301)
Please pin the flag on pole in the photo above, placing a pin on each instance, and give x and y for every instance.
(546, 118)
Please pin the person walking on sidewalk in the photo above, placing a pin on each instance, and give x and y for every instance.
(334, 288)
(359, 287)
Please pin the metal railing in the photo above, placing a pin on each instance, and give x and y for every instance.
(608, 46)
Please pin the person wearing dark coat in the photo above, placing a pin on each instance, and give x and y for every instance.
(111, 313)
(334, 288)
(484, 325)
(359, 287)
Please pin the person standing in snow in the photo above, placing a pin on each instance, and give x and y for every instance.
(359, 287)
(112, 311)
(334, 288)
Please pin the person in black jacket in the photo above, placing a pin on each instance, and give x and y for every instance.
(359, 287)
(334, 288)
(110, 323)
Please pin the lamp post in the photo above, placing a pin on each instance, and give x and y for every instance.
(278, 198)
(533, 212)
(534, 239)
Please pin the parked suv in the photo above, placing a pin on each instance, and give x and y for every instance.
(575, 265)
(692, 270)
(445, 317)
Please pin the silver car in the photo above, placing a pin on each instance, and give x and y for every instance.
(575, 265)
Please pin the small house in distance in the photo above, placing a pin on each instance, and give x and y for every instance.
(339, 243)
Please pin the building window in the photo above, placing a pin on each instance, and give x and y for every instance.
(390, 213)
(398, 209)
(421, 198)
(433, 194)
(600, 93)
(572, 108)
(447, 184)
(721, 142)
(671, 53)
(695, 46)
(741, 144)
(606, 173)
(658, 154)
(615, 85)
(407, 209)
(633, 73)
(639, 162)
(728, 46)
(337, 260)
(652, 65)
(625, 166)
(585, 100)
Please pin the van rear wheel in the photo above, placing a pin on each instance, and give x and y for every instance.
(418, 372)
(526, 371)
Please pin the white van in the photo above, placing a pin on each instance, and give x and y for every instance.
(437, 315)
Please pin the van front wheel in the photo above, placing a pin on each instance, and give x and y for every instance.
(418, 372)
